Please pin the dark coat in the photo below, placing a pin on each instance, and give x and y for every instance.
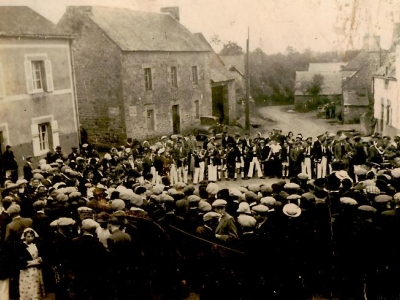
(15, 228)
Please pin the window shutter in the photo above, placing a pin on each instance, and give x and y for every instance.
(54, 131)
(49, 75)
(28, 76)
(2, 85)
(35, 139)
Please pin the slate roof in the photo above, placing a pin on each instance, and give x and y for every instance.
(332, 84)
(145, 31)
(236, 61)
(23, 21)
(326, 67)
(218, 71)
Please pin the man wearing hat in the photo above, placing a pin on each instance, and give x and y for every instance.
(90, 280)
(226, 230)
(10, 164)
(296, 157)
(15, 228)
(28, 175)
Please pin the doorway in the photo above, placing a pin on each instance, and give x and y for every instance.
(176, 120)
(150, 120)
(2, 174)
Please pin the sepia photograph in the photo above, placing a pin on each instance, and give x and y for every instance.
(199, 149)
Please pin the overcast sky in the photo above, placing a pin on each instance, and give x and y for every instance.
(321, 25)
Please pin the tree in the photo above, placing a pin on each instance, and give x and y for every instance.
(232, 48)
(315, 85)
(215, 39)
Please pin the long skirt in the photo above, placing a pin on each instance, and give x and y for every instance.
(31, 286)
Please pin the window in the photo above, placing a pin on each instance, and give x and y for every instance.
(150, 120)
(147, 79)
(174, 77)
(195, 78)
(44, 136)
(197, 107)
(39, 75)
(382, 115)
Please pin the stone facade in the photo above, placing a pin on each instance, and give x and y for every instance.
(114, 102)
(164, 95)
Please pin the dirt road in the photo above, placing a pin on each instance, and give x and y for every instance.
(285, 118)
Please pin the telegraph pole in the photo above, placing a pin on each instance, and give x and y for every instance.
(247, 107)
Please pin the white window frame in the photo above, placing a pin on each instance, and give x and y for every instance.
(46, 73)
(44, 136)
(38, 75)
(38, 150)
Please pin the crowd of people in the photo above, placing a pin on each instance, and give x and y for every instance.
(146, 221)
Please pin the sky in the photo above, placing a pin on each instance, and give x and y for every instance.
(321, 25)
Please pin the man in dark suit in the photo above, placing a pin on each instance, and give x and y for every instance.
(226, 230)
(5, 218)
(226, 139)
(28, 169)
(120, 246)
(15, 228)
(296, 157)
(89, 278)
(40, 222)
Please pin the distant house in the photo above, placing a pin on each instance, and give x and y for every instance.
(138, 74)
(331, 89)
(387, 89)
(326, 67)
(37, 95)
(357, 87)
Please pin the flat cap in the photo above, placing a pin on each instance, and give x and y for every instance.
(89, 224)
(373, 190)
(367, 208)
(268, 201)
(193, 198)
(212, 188)
(118, 204)
(211, 215)
(158, 189)
(204, 206)
(244, 208)
(246, 221)
(383, 198)
(219, 202)
(65, 221)
(395, 173)
(291, 186)
(166, 198)
(84, 209)
(260, 209)
(348, 201)
(302, 176)
(254, 188)
(14, 209)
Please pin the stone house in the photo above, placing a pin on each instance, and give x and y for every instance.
(357, 87)
(138, 74)
(37, 93)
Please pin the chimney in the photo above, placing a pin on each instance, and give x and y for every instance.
(396, 31)
(371, 43)
(172, 10)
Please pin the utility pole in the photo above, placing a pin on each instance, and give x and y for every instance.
(247, 107)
